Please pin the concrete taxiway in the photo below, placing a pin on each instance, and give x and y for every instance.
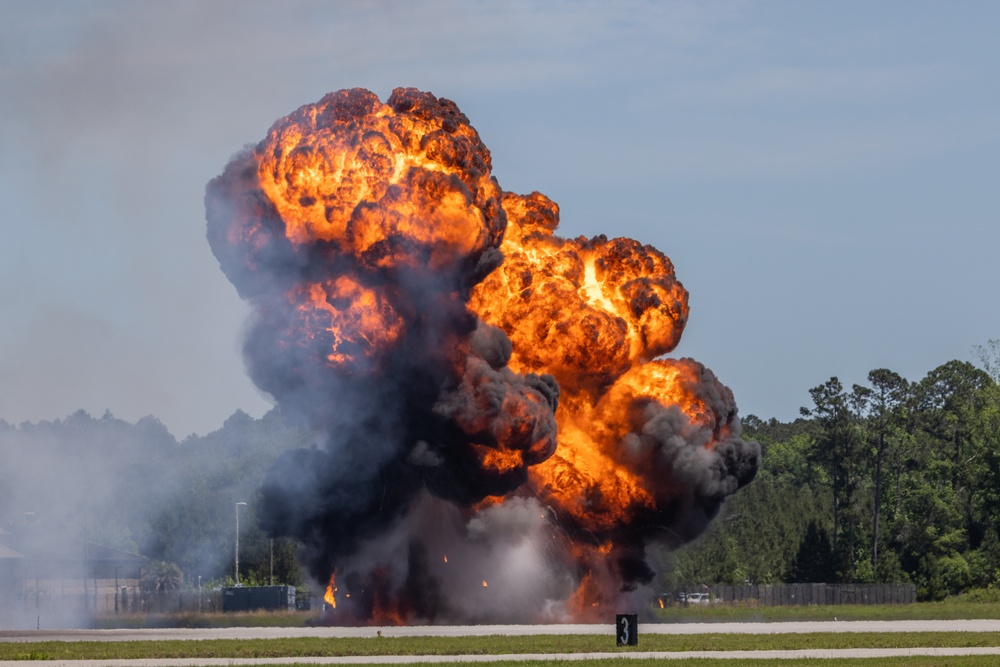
(972, 625)
(480, 630)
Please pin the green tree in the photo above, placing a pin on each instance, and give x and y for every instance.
(882, 407)
(950, 401)
(986, 429)
(160, 576)
(814, 560)
(989, 357)
(839, 447)
(943, 493)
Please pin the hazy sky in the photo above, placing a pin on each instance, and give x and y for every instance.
(824, 176)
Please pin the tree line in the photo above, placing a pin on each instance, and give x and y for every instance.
(136, 488)
(886, 481)
(889, 481)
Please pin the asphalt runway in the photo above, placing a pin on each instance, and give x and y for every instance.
(467, 630)
(486, 630)
(445, 659)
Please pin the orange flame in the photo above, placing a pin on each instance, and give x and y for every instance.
(331, 592)
(363, 199)
(594, 313)
(392, 178)
(591, 312)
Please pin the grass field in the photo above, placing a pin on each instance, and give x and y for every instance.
(980, 606)
(908, 661)
(507, 645)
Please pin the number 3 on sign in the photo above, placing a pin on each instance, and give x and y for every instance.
(626, 629)
(623, 631)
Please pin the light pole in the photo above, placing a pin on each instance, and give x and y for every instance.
(237, 569)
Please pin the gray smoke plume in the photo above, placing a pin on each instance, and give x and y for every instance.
(416, 403)
(358, 231)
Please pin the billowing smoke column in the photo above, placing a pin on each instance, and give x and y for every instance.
(648, 448)
(424, 323)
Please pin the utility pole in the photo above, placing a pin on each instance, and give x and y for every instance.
(237, 568)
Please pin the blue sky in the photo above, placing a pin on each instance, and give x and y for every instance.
(823, 175)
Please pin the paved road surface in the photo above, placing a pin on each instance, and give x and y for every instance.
(439, 659)
(474, 630)
(455, 631)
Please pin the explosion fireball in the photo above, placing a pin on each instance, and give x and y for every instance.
(490, 400)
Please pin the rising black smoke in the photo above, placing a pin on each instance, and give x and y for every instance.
(357, 230)
(416, 414)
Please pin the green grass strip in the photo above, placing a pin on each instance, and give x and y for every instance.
(909, 661)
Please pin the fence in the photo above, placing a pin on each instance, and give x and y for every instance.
(252, 598)
(124, 599)
(779, 595)
(131, 599)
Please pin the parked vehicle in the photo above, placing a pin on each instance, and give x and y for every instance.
(694, 598)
